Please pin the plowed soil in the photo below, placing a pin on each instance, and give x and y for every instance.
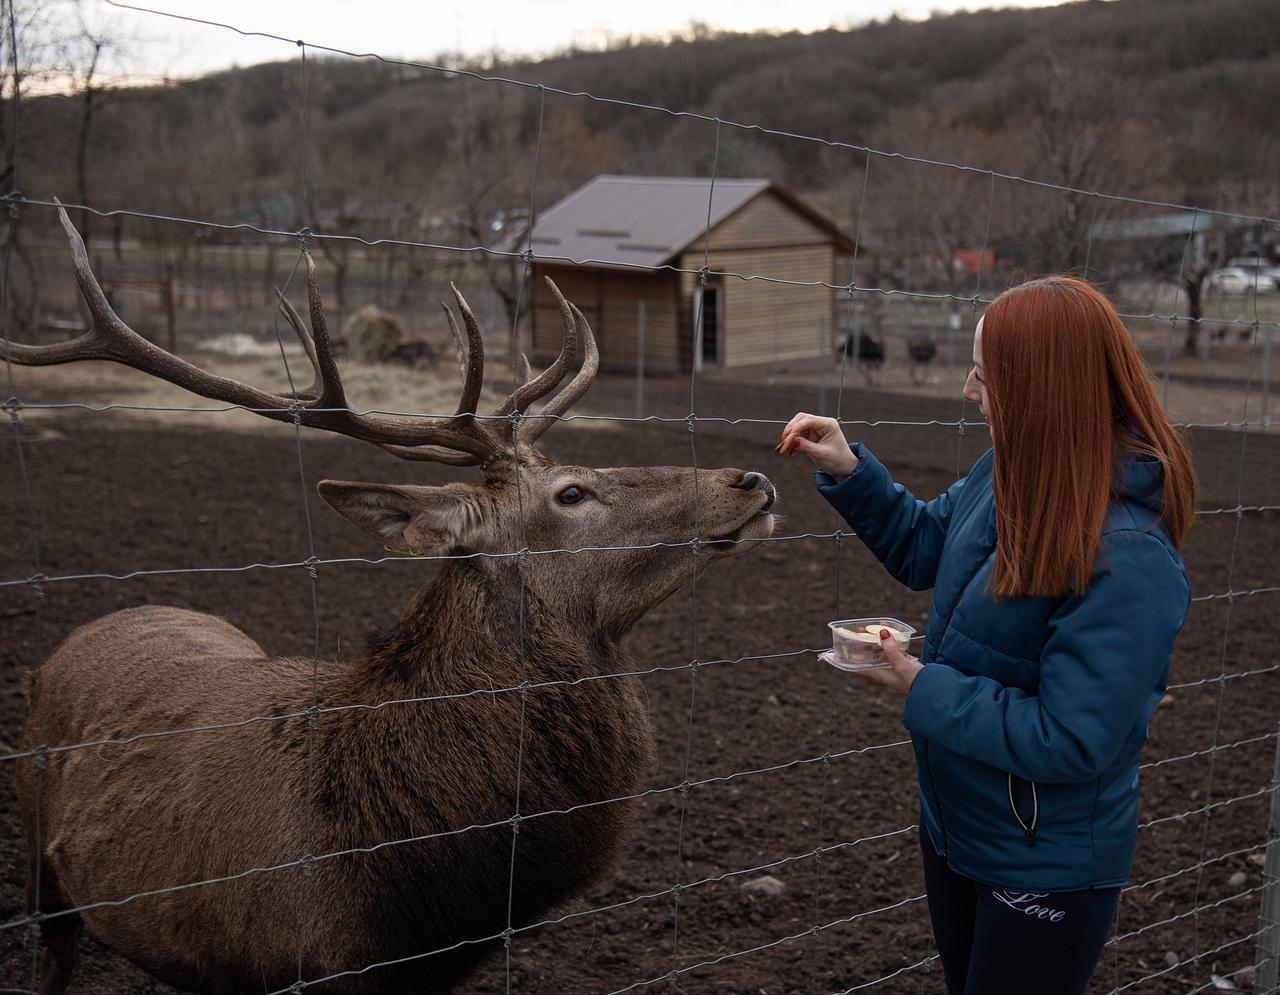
(749, 730)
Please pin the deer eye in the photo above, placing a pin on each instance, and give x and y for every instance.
(571, 495)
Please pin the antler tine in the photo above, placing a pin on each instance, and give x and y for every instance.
(574, 389)
(109, 338)
(331, 393)
(459, 346)
(550, 378)
(526, 369)
(473, 371)
(304, 336)
(457, 440)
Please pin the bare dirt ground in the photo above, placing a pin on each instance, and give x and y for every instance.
(1207, 389)
(116, 493)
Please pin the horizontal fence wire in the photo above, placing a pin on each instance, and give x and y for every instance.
(972, 301)
(390, 702)
(691, 665)
(683, 788)
(38, 581)
(41, 580)
(1187, 962)
(685, 420)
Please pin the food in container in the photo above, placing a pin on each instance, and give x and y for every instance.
(855, 642)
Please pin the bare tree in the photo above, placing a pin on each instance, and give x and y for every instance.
(1200, 262)
(84, 53)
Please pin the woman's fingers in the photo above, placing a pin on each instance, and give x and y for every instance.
(810, 426)
(796, 419)
(821, 440)
(803, 421)
(902, 667)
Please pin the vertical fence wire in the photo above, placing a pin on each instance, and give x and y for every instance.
(1226, 629)
(13, 405)
(977, 299)
(307, 867)
(1267, 961)
(1117, 929)
(1193, 328)
(522, 539)
(696, 338)
(1093, 221)
(832, 677)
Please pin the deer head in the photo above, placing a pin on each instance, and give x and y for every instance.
(649, 530)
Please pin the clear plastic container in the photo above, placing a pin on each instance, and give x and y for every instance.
(855, 642)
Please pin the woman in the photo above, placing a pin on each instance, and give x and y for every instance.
(1058, 592)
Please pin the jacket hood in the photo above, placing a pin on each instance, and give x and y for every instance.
(1140, 479)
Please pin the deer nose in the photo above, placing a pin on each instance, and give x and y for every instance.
(752, 481)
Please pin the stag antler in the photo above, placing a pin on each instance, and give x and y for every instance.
(460, 440)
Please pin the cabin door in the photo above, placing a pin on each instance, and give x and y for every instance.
(708, 328)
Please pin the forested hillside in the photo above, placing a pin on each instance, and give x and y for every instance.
(1174, 100)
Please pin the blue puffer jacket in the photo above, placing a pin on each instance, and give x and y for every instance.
(1030, 714)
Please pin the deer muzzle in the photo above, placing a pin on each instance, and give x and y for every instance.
(752, 481)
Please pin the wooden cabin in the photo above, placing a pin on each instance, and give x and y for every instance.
(628, 251)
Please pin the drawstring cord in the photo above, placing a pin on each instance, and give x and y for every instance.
(1030, 830)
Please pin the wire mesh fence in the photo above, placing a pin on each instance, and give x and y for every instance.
(769, 827)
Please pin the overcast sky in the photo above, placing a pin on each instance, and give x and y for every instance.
(159, 47)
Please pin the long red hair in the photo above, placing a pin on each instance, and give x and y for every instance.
(1067, 395)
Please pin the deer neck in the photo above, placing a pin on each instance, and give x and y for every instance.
(471, 629)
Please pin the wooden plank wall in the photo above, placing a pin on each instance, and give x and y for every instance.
(767, 238)
(763, 223)
(761, 320)
(750, 309)
(610, 300)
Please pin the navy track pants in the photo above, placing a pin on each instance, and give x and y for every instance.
(999, 941)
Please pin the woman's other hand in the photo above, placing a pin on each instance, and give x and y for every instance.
(822, 441)
(902, 668)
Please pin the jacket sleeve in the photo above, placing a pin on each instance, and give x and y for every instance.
(903, 532)
(1102, 671)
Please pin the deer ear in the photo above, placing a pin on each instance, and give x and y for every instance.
(404, 519)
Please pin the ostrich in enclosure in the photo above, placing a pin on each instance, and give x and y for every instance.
(376, 827)
(921, 348)
(868, 350)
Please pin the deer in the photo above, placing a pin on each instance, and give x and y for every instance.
(249, 823)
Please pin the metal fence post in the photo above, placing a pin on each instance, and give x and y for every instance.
(640, 359)
(1268, 979)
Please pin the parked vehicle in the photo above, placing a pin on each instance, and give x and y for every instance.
(1242, 280)
(1260, 263)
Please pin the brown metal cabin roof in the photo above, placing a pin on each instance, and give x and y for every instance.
(645, 221)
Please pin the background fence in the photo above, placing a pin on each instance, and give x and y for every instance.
(770, 832)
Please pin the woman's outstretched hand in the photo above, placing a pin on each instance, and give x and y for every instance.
(822, 441)
(902, 668)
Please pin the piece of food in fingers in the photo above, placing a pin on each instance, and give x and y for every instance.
(855, 642)
(788, 441)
